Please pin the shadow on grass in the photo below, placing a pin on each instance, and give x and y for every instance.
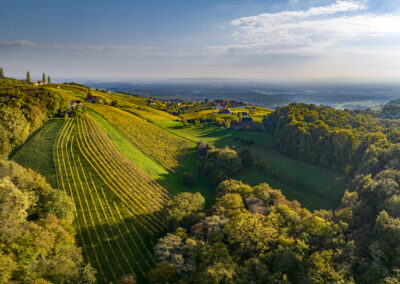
(119, 251)
(288, 174)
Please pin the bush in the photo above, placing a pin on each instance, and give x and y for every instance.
(184, 208)
(247, 157)
(188, 179)
(221, 164)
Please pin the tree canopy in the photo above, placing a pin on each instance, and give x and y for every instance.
(37, 242)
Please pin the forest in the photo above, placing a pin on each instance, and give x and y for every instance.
(134, 199)
(255, 235)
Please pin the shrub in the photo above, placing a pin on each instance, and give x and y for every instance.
(247, 157)
(221, 164)
(188, 179)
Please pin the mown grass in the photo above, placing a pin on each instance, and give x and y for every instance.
(37, 152)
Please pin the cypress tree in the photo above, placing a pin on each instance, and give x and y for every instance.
(28, 77)
(1, 73)
(48, 80)
(44, 78)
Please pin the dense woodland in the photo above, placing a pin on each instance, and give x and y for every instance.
(255, 235)
(23, 108)
(37, 242)
(248, 234)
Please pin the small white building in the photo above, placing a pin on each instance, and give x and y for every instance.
(219, 107)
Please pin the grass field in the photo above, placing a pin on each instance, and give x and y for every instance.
(37, 152)
(313, 186)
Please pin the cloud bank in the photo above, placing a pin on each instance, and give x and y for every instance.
(311, 30)
(71, 47)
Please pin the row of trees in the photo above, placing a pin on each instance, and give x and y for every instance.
(29, 80)
(28, 77)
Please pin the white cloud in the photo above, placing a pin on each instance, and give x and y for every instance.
(314, 29)
(71, 47)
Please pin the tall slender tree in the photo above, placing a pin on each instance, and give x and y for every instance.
(44, 78)
(1, 73)
(48, 80)
(28, 77)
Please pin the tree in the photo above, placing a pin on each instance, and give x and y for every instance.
(233, 186)
(38, 245)
(48, 80)
(163, 273)
(188, 179)
(88, 274)
(1, 73)
(322, 268)
(229, 204)
(247, 157)
(28, 77)
(7, 266)
(221, 164)
(44, 78)
(251, 234)
(184, 207)
(127, 279)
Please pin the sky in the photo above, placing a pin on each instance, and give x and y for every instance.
(261, 40)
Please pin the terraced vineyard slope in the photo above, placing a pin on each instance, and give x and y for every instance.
(117, 205)
(162, 146)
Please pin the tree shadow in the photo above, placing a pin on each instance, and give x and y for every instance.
(119, 249)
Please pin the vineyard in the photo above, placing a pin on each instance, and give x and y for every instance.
(165, 148)
(152, 115)
(117, 204)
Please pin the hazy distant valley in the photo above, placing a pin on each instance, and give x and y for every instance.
(341, 96)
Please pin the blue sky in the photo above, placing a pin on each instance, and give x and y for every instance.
(151, 40)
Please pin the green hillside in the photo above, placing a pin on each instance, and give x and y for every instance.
(120, 162)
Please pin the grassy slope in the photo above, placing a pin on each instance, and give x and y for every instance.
(313, 186)
(37, 152)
